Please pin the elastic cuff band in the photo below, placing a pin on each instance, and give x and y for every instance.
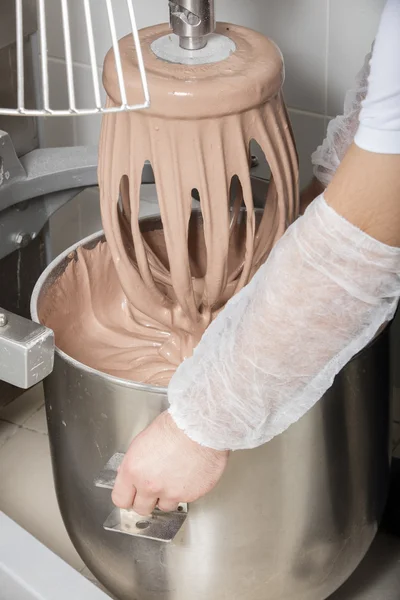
(378, 141)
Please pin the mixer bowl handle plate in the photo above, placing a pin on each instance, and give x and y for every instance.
(159, 526)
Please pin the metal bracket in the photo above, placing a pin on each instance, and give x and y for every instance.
(34, 187)
(159, 526)
(43, 171)
(48, 170)
(11, 168)
(20, 224)
(26, 350)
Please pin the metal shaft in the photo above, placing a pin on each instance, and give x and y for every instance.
(192, 21)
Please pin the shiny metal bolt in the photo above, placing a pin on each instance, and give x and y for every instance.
(23, 239)
(3, 320)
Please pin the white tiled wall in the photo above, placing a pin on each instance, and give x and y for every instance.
(352, 29)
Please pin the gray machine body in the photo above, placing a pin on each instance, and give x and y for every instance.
(34, 184)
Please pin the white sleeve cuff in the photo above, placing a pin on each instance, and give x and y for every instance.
(378, 140)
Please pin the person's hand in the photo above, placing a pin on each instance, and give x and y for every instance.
(164, 467)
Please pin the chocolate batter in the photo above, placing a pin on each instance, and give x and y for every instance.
(142, 300)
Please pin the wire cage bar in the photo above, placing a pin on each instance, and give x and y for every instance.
(46, 110)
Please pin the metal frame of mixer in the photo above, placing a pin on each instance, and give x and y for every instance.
(35, 183)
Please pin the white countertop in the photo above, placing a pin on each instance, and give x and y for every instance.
(30, 571)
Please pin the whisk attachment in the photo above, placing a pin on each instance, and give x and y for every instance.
(192, 21)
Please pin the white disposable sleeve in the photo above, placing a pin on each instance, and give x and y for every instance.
(341, 130)
(379, 129)
(322, 295)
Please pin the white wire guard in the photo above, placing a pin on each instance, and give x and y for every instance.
(44, 63)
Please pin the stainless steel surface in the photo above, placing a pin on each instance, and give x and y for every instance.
(158, 526)
(26, 351)
(3, 320)
(192, 21)
(106, 477)
(289, 521)
(22, 27)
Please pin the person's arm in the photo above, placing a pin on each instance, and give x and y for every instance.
(339, 137)
(327, 288)
(366, 192)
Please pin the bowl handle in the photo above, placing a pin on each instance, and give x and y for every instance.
(159, 526)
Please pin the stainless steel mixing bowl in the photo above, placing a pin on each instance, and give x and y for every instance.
(290, 520)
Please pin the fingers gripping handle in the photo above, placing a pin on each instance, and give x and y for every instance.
(159, 526)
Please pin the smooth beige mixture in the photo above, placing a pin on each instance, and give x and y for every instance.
(137, 305)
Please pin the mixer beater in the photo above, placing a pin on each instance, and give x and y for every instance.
(207, 106)
(42, 180)
(195, 113)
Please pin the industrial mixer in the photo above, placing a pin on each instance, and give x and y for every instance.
(243, 541)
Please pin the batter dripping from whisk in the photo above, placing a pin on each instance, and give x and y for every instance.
(147, 297)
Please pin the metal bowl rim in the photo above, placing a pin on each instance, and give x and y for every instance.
(143, 387)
